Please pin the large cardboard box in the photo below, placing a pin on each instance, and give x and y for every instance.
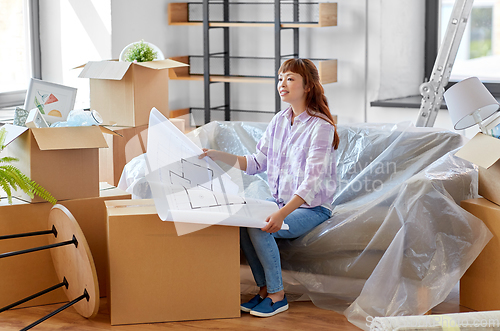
(123, 92)
(480, 285)
(27, 274)
(158, 276)
(64, 161)
(484, 151)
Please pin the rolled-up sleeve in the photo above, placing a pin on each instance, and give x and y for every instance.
(319, 170)
(257, 162)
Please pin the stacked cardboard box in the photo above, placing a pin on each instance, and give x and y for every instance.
(480, 285)
(124, 93)
(65, 162)
(153, 273)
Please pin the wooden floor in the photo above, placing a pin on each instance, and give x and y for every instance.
(300, 316)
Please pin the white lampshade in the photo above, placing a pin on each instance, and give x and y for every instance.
(465, 98)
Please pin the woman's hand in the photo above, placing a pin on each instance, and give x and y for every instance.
(274, 222)
(239, 162)
(208, 152)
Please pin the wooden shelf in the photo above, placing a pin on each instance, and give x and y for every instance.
(178, 14)
(327, 71)
(327, 74)
(183, 74)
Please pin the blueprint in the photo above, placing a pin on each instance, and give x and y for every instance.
(195, 193)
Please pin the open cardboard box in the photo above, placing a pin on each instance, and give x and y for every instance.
(159, 276)
(124, 92)
(64, 161)
(484, 151)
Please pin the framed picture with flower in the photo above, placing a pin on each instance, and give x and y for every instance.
(54, 101)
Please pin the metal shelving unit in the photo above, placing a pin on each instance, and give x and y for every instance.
(179, 14)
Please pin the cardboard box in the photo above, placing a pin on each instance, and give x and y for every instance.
(484, 151)
(158, 276)
(27, 274)
(124, 92)
(180, 123)
(132, 142)
(64, 161)
(129, 143)
(489, 182)
(480, 285)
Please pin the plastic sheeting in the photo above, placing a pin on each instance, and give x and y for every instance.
(397, 241)
(484, 320)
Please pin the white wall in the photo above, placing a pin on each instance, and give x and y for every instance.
(73, 32)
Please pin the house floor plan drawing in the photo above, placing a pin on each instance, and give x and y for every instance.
(187, 189)
(192, 175)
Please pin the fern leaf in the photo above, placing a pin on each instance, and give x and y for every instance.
(7, 177)
(43, 193)
(8, 159)
(18, 179)
(13, 177)
(4, 185)
(3, 135)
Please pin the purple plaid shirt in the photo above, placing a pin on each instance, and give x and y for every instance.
(299, 159)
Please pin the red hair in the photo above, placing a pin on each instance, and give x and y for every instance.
(316, 102)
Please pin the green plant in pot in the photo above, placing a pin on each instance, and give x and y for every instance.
(140, 52)
(11, 178)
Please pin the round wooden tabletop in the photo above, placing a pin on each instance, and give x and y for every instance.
(74, 263)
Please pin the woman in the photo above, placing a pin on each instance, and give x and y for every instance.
(298, 152)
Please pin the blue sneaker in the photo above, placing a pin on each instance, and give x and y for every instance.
(267, 308)
(247, 306)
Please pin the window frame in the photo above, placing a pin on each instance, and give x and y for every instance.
(16, 98)
(432, 16)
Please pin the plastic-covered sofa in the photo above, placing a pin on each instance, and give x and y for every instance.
(397, 241)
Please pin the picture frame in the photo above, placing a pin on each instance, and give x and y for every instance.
(54, 101)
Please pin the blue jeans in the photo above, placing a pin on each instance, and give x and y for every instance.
(261, 250)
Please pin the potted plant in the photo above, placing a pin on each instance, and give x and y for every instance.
(11, 178)
(141, 51)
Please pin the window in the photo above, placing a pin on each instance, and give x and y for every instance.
(479, 51)
(19, 59)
